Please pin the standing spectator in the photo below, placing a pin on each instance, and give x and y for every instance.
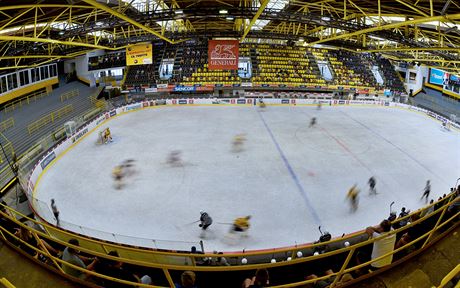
(427, 191)
(55, 211)
(187, 280)
(381, 246)
(71, 256)
(261, 279)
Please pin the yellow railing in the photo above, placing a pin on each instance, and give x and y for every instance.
(24, 101)
(7, 147)
(70, 94)
(450, 276)
(5, 283)
(153, 259)
(7, 124)
(49, 118)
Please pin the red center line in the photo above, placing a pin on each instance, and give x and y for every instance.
(346, 149)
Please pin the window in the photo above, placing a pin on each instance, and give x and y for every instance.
(3, 84)
(53, 72)
(47, 74)
(32, 75)
(15, 80)
(21, 78)
(26, 77)
(42, 73)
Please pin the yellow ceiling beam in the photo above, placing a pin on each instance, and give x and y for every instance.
(413, 8)
(263, 4)
(445, 18)
(47, 40)
(396, 49)
(33, 57)
(46, 6)
(125, 18)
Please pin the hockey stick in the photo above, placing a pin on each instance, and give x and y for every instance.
(391, 205)
(192, 223)
(224, 223)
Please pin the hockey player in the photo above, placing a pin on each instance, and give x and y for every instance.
(107, 136)
(117, 174)
(174, 158)
(352, 195)
(312, 122)
(238, 142)
(205, 220)
(241, 224)
(427, 191)
(262, 104)
(319, 106)
(55, 211)
(371, 182)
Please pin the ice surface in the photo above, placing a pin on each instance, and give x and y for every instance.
(289, 178)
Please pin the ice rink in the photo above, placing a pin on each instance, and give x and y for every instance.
(290, 178)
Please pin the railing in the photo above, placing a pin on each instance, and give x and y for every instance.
(441, 221)
(24, 101)
(6, 284)
(49, 118)
(449, 277)
(5, 125)
(70, 94)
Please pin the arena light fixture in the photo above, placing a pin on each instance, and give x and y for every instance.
(326, 18)
(230, 18)
(178, 11)
(61, 32)
(99, 23)
(223, 11)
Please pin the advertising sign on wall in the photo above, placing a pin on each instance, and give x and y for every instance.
(223, 54)
(436, 76)
(139, 54)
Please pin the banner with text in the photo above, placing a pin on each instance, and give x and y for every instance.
(139, 54)
(223, 54)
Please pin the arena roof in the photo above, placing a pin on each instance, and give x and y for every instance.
(38, 32)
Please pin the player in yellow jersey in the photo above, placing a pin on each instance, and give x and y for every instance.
(117, 174)
(241, 224)
(352, 196)
(107, 136)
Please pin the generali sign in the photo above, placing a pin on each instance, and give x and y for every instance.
(223, 54)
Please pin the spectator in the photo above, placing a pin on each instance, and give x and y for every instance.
(381, 246)
(114, 269)
(328, 281)
(261, 279)
(187, 280)
(71, 256)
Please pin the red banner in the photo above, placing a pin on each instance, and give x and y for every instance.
(223, 54)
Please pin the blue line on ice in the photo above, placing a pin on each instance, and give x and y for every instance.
(302, 191)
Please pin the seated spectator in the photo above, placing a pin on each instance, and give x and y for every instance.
(261, 279)
(113, 269)
(71, 256)
(381, 246)
(328, 281)
(219, 261)
(187, 280)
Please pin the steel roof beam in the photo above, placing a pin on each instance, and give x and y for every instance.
(263, 4)
(127, 19)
